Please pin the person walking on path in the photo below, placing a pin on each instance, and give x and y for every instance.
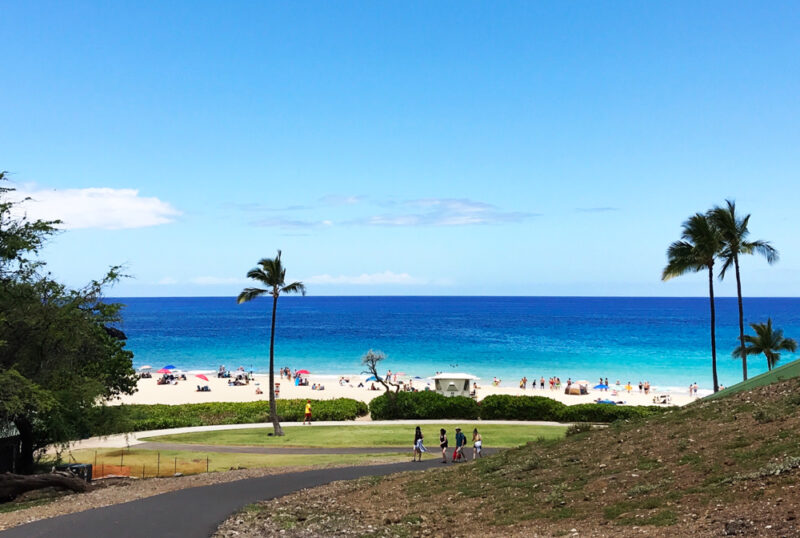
(307, 417)
(461, 441)
(443, 444)
(419, 448)
(477, 444)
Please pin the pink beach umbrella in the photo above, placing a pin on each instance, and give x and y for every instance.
(303, 372)
(164, 371)
(201, 376)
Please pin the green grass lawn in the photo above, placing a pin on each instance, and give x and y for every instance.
(148, 463)
(494, 435)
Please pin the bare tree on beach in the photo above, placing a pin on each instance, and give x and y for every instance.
(270, 271)
(696, 251)
(371, 360)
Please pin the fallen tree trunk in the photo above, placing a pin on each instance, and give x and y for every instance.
(12, 485)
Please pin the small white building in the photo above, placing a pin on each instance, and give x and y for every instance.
(454, 384)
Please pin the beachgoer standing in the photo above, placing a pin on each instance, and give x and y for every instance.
(461, 441)
(307, 417)
(641, 386)
(477, 443)
(541, 383)
(419, 448)
(443, 444)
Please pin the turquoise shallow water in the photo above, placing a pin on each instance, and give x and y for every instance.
(663, 340)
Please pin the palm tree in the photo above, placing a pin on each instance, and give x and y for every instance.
(734, 232)
(271, 273)
(699, 245)
(766, 341)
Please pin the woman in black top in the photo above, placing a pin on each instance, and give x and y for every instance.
(443, 444)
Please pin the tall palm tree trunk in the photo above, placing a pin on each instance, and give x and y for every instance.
(741, 316)
(273, 407)
(713, 327)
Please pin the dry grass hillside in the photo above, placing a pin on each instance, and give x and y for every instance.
(714, 468)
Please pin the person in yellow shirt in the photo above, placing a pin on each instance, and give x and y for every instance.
(308, 413)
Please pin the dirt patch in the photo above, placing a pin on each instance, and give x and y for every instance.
(727, 467)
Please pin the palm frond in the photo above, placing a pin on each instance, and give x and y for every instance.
(248, 294)
(764, 249)
(681, 259)
(294, 287)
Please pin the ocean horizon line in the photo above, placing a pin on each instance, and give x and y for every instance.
(704, 297)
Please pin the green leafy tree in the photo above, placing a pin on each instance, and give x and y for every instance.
(271, 273)
(696, 251)
(768, 341)
(734, 233)
(59, 355)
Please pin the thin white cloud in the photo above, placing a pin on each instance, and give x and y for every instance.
(338, 199)
(97, 207)
(167, 281)
(446, 212)
(366, 279)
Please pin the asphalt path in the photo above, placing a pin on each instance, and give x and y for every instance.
(274, 449)
(194, 512)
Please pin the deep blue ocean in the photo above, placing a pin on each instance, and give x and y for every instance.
(662, 340)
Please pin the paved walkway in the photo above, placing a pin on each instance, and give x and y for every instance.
(136, 438)
(298, 450)
(193, 512)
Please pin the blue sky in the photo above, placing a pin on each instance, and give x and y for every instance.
(404, 148)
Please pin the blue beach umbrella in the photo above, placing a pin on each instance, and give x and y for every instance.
(601, 386)
(169, 367)
(372, 378)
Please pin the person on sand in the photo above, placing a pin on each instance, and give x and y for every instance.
(641, 386)
(307, 417)
(419, 448)
(628, 387)
(477, 443)
(443, 444)
(541, 383)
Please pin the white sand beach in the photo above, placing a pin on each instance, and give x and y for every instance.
(149, 392)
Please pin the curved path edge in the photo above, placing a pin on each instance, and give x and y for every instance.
(193, 512)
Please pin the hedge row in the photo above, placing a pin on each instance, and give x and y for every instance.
(109, 420)
(431, 405)
(422, 405)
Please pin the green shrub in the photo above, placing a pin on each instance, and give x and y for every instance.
(594, 412)
(107, 420)
(506, 407)
(422, 405)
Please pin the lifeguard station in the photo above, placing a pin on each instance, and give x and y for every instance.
(454, 384)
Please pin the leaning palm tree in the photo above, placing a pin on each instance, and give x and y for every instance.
(271, 273)
(767, 341)
(734, 233)
(699, 245)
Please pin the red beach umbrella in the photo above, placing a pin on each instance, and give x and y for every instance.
(201, 376)
(303, 372)
(164, 371)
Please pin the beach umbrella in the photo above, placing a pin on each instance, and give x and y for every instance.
(371, 378)
(164, 371)
(601, 386)
(146, 367)
(201, 376)
(168, 367)
(417, 377)
(303, 372)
